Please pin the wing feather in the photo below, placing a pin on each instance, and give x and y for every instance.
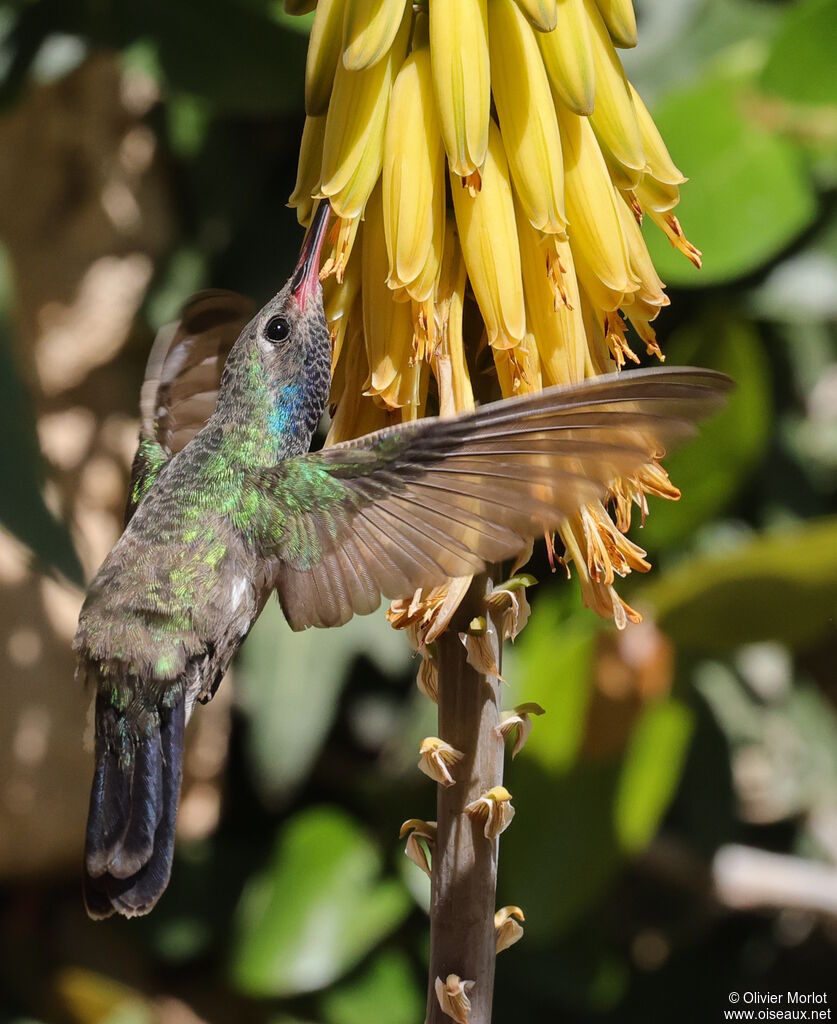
(182, 378)
(412, 505)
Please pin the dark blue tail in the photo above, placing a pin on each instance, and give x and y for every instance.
(133, 810)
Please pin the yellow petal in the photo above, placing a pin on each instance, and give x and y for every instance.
(614, 118)
(670, 226)
(543, 14)
(555, 320)
(450, 300)
(518, 368)
(413, 181)
(369, 30)
(527, 117)
(657, 195)
(488, 237)
(461, 80)
(324, 46)
(568, 57)
(355, 415)
(387, 324)
(657, 157)
(651, 287)
(308, 169)
(620, 19)
(353, 147)
(594, 225)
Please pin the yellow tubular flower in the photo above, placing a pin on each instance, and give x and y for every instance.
(543, 14)
(584, 551)
(657, 158)
(527, 116)
(655, 195)
(595, 229)
(387, 325)
(450, 366)
(369, 29)
(650, 288)
(542, 227)
(568, 57)
(519, 368)
(620, 19)
(488, 236)
(555, 321)
(353, 147)
(414, 181)
(461, 80)
(308, 169)
(338, 300)
(670, 226)
(324, 46)
(355, 414)
(344, 234)
(613, 117)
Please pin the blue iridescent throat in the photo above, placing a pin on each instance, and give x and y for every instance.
(285, 414)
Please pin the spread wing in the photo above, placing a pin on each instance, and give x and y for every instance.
(181, 382)
(412, 505)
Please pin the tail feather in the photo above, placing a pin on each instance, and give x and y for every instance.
(130, 830)
(110, 801)
(137, 844)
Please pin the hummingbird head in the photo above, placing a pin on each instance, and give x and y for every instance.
(280, 367)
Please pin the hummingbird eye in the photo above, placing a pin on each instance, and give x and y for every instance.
(278, 328)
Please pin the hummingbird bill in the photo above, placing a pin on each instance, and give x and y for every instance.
(227, 506)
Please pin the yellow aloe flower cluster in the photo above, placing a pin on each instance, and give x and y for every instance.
(489, 165)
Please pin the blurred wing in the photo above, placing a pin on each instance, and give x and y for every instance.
(181, 380)
(412, 505)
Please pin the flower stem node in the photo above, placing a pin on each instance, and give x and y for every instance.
(478, 626)
(419, 852)
(508, 601)
(452, 994)
(427, 677)
(494, 809)
(508, 927)
(479, 643)
(436, 758)
(518, 723)
(428, 613)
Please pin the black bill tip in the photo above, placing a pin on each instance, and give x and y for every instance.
(307, 270)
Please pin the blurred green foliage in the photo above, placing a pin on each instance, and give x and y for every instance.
(296, 910)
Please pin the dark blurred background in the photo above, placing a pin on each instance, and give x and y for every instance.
(676, 829)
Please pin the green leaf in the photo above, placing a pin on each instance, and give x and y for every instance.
(386, 993)
(650, 772)
(562, 851)
(552, 665)
(711, 468)
(800, 67)
(780, 587)
(563, 840)
(290, 686)
(577, 817)
(316, 909)
(749, 195)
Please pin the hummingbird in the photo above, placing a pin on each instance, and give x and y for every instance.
(227, 505)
